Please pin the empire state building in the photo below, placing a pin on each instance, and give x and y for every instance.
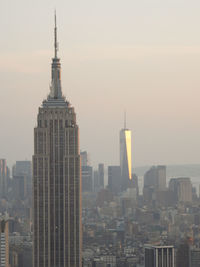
(57, 237)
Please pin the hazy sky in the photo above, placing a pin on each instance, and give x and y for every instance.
(138, 55)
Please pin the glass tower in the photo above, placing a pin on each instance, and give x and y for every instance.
(125, 158)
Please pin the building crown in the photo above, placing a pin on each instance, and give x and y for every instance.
(55, 88)
(55, 97)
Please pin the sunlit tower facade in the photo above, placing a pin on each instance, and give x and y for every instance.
(125, 157)
(57, 237)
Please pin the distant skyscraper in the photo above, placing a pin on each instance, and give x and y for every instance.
(84, 158)
(182, 187)
(23, 169)
(114, 179)
(56, 180)
(95, 179)
(156, 177)
(125, 157)
(86, 173)
(159, 256)
(4, 176)
(99, 178)
(4, 243)
(87, 178)
(154, 182)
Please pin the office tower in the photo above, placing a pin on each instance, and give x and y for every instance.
(99, 178)
(56, 179)
(114, 179)
(182, 188)
(154, 182)
(87, 178)
(84, 158)
(19, 187)
(161, 178)
(4, 243)
(96, 180)
(159, 256)
(86, 173)
(135, 183)
(23, 169)
(156, 177)
(4, 177)
(125, 158)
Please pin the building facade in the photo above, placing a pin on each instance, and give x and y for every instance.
(56, 180)
(194, 257)
(99, 178)
(114, 179)
(23, 168)
(87, 178)
(4, 243)
(86, 173)
(84, 158)
(182, 187)
(4, 177)
(156, 177)
(125, 158)
(159, 256)
(154, 183)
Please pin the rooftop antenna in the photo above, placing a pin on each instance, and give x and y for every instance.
(55, 37)
(124, 119)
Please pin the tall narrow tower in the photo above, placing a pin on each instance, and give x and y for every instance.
(125, 156)
(56, 179)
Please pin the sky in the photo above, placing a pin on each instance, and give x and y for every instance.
(139, 56)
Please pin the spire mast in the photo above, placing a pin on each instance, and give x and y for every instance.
(124, 119)
(55, 38)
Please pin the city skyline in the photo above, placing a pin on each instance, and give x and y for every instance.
(131, 61)
(91, 187)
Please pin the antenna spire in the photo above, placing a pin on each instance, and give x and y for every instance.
(124, 119)
(55, 37)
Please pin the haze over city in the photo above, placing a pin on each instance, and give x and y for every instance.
(142, 56)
